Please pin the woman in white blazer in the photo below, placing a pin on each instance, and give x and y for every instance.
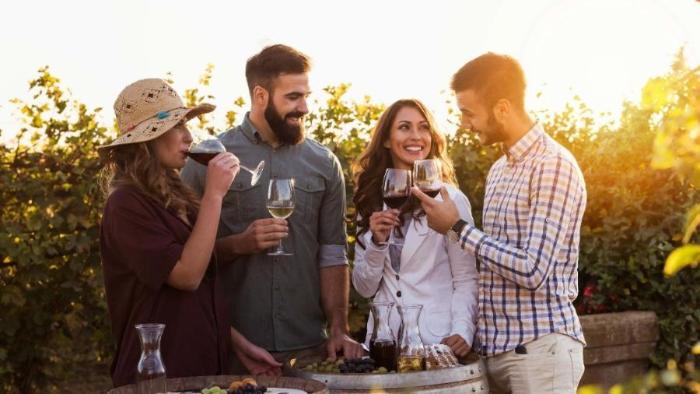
(426, 269)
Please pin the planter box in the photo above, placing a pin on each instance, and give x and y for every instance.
(619, 346)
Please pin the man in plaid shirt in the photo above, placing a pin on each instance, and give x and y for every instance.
(528, 250)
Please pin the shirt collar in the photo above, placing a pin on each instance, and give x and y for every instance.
(249, 130)
(520, 149)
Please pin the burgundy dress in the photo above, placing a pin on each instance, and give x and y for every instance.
(140, 243)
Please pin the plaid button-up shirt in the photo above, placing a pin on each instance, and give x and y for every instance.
(528, 251)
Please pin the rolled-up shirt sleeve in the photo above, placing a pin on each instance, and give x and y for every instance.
(332, 231)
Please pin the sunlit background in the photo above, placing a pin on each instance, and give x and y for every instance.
(600, 50)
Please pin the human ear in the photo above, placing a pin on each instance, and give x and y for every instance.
(502, 109)
(260, 96)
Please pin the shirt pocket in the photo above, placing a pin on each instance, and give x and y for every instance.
(243, 204)
(308, 194)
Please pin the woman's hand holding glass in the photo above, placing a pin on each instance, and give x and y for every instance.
(221, 171)
(381, 223)
(396, 189)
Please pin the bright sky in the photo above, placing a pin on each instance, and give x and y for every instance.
(602, 50)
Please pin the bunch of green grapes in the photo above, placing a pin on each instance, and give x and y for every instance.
(214, 390)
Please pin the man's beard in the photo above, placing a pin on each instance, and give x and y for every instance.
(286, 134)
(495, 132)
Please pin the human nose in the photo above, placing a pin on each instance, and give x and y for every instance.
(188, 137)
(466, 124)
(414, 133)
(303, 107)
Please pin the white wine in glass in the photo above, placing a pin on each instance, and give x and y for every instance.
(280, 212)
(280, 204)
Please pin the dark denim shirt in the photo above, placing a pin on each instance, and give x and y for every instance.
(276, 301)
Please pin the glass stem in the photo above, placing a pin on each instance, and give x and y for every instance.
(279, 247)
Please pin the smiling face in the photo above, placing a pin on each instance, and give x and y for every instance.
(478, 118)
(286, 107)
(171, 148)
(410, 138)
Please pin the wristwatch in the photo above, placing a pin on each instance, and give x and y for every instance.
(453, 233)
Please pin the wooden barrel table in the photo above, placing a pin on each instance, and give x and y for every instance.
(197, 383)
(464, 379)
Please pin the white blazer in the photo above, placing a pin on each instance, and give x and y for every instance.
(434, 272)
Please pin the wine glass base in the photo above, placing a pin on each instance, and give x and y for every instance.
(280, 253)
(257, 173)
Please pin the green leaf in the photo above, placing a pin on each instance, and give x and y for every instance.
(682, 257)
(692, 220)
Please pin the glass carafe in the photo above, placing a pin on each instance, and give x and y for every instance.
(150, 371)
(382, 343)
(411, 352)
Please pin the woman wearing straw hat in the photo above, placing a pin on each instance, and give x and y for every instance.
(157, 239)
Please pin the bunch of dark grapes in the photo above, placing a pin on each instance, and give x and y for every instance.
(248, 389)
(357, 365)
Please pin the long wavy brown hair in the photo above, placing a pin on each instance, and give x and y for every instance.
(137, 165)
(368, 170)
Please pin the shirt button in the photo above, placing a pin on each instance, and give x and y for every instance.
(275, 259)
(398, 293)
(397, 277)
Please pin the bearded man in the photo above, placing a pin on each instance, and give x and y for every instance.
(283, 304)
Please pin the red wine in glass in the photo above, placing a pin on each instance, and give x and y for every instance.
(426, 175)
(396, 188)
(201, 157)
(395, 202)
(431, 192)
(206, 150)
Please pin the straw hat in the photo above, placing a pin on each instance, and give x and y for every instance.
(148, 108)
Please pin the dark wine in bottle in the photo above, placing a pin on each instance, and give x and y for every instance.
(384, 354)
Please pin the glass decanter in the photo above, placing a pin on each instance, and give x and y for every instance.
(382, 343)
(411, 353)
(150, 371)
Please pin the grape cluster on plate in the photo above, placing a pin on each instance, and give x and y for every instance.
(354, 365)
(245, 386)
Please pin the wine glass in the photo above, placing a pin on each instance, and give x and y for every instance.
(427, 177)
(207, 149)
(280, 204)
(396, 188)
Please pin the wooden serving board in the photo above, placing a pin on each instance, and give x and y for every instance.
(197, 383)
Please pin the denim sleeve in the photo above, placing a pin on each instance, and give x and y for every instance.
(332, 231)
